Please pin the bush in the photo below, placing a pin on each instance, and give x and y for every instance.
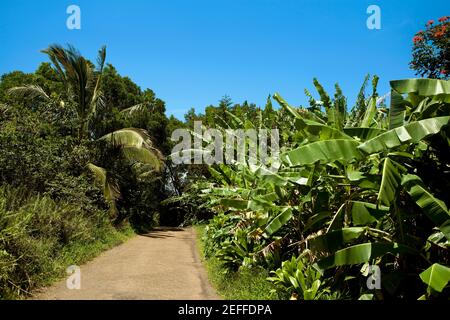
(36, 234)
(298, 279)
(247, 283)
(218, 231)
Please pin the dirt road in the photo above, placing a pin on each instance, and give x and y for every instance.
(163, 264)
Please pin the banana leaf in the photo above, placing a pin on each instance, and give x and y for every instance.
(237, 204)
(337, 222)
(364, 213)
(434, 208)
(253, 205)
(390, 181)
(363, 133)
(436, 277)
(361, 253)
(323, 151)
(410, 133)
(286, 105)
(397, 110)
(334, 240)
(417, 89)
(370, 113)
(328, 105)
(279, 221)
(423, 87)
(322, 131)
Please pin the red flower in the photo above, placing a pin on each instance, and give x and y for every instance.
(417, 39)
(430, 22)
(440, 32)
(444, 71)
(443, 19)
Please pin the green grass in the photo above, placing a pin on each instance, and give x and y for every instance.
(40, 238)
(245, 284)
(80, 253)
(77, 253)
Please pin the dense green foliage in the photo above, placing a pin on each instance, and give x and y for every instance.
(354, 189)
(249, 284)
(40, 238)
(85, 161)
(78, 166)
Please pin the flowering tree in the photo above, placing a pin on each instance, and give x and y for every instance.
(431, 50)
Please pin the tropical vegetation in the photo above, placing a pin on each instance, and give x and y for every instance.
(81, 166)
(354, 190)
(356, 205)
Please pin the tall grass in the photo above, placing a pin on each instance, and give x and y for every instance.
(40, 238)
(244, 284)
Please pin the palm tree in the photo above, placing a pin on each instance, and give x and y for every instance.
(82, 83)
(138, 148)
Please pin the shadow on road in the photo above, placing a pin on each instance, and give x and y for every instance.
(161, 232)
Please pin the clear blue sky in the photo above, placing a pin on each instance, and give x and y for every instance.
(192, 52)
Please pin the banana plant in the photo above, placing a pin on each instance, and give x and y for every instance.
(299, 279)
(350, 188)
(342, 244)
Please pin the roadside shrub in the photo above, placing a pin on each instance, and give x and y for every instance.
(35, 230)
(218, 231)
(80, 190)
(299, 280)
(239, 250)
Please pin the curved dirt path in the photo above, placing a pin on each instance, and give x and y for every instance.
(163, 264)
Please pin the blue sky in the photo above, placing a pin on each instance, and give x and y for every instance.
(192, 52)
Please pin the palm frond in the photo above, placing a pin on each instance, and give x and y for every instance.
(97, 95)
(51, 53)
(109, 187)
(129, 137)
(101, 58)
(29, 91)
(137, 146)
(81, 81)
(135, 109)
(143, 155)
